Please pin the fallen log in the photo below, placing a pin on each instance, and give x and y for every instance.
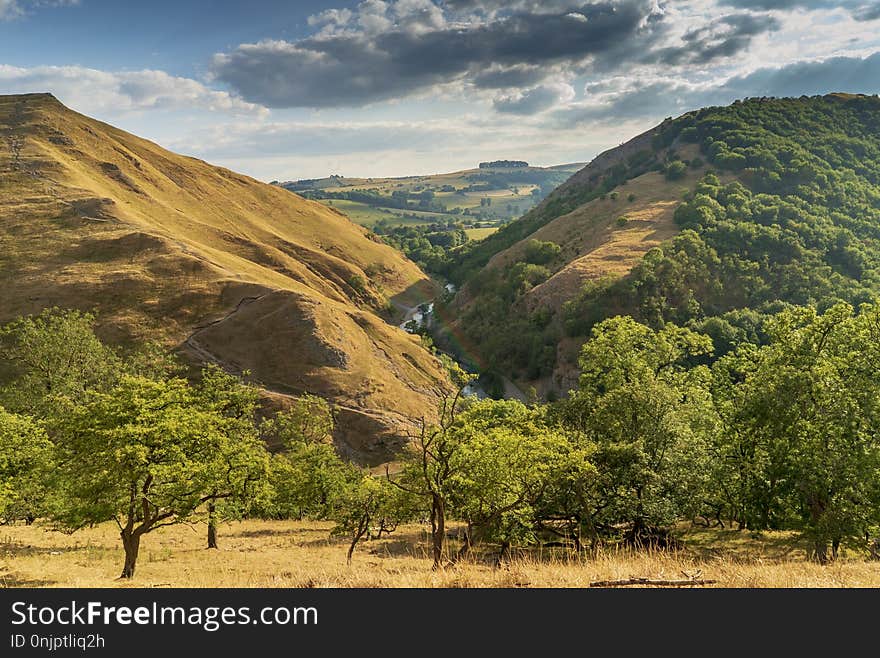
(648, 582)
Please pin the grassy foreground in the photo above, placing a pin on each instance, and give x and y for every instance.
(301, 554)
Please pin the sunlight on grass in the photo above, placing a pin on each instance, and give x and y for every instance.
(302, 554)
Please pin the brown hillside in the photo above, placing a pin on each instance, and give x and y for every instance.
(227, 268)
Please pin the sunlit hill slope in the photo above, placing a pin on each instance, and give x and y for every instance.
(219, 265)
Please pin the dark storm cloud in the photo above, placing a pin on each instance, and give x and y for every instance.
(860, 9)
(354, 66)
(725, 37)
(654, 100)
(512, 76)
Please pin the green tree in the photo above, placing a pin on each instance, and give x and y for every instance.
(675, 170)
(25, 465)
(240, 466)
(308, 474)
(145, 454)
(55, 353)
(802, 425)
(648, 414)
(539, 252)
(428, 464)
(369, 506)
(508, 462)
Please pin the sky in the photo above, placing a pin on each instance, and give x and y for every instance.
(284, 90)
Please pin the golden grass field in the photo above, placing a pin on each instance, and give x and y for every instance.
(302, 554)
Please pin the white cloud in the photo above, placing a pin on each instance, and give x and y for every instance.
(12, 9)
(92, 90)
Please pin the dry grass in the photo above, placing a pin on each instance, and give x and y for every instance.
(301, 554)
(480, 233)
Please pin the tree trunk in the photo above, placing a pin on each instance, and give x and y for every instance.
(212, 525)
(363, 526)
(438, 529)
(131, 542)
(820, 544)
(503, 553)
(835, 548)
(466, 545)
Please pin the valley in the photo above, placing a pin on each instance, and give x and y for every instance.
(674, 351)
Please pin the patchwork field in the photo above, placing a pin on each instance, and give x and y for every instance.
(492, 195)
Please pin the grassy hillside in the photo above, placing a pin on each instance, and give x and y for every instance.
(227, 268)
(714, 219)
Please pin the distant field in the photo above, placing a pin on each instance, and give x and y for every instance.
(479, 233)
(366, 215)
(506, 195)
(302, 554)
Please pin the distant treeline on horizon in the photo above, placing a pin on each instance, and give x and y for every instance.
(503, 164)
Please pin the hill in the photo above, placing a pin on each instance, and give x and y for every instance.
(712, 220)
(428, 217)
(224, 267)
(512, 188)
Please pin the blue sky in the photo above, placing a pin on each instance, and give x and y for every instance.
(284, 90)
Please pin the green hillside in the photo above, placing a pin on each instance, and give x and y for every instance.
(773, 202)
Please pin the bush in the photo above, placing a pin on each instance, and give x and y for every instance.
(539, 252)
(675, 170)
(358, 284)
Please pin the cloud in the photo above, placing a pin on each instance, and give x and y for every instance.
(12, 9)
(244, 139)
(390, 50)
(724, 37)
(845, 74)
(864, 10)
(535, 100)
(92, 90)
(623, 98)
(506, 77)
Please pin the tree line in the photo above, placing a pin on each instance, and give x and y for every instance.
(783, 435)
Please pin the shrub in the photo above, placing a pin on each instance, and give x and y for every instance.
(675, 170)
(539, 252)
